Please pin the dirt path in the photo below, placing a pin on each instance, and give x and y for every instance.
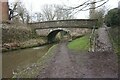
(60, 65)
(71, 64)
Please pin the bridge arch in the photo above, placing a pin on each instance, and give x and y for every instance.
(51, 36)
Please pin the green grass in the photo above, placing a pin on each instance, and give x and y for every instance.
(81, 44)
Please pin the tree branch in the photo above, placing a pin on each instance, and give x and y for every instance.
(85, 3)
(90, 8)
(96, 7)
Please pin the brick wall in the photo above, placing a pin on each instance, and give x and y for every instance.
(4, 11)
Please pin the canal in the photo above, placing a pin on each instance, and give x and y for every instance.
(19, 58)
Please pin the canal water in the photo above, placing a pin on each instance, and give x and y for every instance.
(19, 58)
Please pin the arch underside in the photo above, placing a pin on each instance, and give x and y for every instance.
(51, 36)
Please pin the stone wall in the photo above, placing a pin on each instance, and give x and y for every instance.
(72, 23)
(72, 31)
(43, 32)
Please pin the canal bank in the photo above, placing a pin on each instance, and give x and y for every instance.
(20, 36)
(26, 63)
(19, 60)
(31, 71)
(20, 48)
(21, 57)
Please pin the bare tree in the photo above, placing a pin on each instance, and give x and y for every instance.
(92, 10)
(48, 12)
(55, 12)
(19, 12)
(99, 14)
(39, 17)
(22, 12)
(27, 18)
(12, 8)
(62, 14)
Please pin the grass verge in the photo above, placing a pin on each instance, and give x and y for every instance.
(81, 43)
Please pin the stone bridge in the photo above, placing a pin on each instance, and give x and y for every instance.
(75, 27)
(72, 23)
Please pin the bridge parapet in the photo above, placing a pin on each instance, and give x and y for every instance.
(72, 31)
(72, 23)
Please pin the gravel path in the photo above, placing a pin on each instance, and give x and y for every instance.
(70, 64)
(103, 42)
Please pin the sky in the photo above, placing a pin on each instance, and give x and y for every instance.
(34, 6)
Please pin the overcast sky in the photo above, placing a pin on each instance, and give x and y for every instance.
(36, 5)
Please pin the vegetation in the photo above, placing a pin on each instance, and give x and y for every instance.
(98, 14)
(18, 13)
(53, 12)
(112, 18)
(115, 38)
(81, 43)
(18, 37)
